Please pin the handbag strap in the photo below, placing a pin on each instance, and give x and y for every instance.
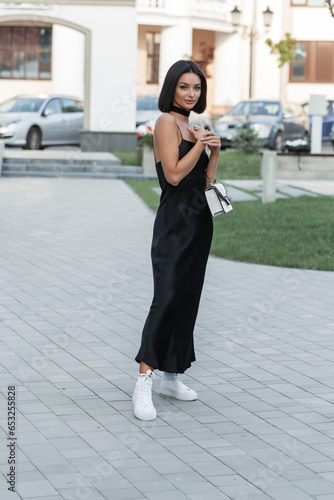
(220, 195)
(209, 183)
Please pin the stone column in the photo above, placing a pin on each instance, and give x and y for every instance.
(68, 61)
(176, 43)
(228, 74)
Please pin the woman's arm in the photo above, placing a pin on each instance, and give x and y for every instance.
(166, 140)
(213, 142)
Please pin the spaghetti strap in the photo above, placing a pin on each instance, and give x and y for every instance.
(180, 132)
(155, 161)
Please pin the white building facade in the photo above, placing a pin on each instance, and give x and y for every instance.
(106, 52)
(75, 47)
(181, 28)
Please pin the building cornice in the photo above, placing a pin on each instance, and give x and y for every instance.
(79, 3)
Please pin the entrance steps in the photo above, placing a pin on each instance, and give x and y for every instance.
(65, 163)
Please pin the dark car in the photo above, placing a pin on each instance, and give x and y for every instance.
(274, 121)
(327, 120)
(331, 135)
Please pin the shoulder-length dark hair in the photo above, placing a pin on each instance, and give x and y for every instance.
(172, 77)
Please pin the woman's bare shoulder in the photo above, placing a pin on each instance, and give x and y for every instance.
(165, 124)
(165, 120)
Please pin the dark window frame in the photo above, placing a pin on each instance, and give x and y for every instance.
(27, 49)
(153, 59)
(311, 75)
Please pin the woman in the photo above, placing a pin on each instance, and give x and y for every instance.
(181, 237)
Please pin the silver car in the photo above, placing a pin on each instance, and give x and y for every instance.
(33, 122)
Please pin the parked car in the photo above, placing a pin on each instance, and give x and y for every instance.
(274, 121)
(331, 135)
(327, 120)
(44, 120)
(148, 112)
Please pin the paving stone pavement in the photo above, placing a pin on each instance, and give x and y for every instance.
(75, 289)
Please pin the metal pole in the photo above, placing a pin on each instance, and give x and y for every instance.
(251, 65)
(252, 62)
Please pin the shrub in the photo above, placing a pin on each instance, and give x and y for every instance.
(247, 139)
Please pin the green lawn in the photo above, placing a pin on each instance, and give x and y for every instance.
(231, 164)
(294, 232)
(129, 158)
(235, 165)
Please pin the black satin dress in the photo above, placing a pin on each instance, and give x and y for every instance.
(181, 243)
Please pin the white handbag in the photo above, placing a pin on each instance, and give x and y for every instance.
(218, 202)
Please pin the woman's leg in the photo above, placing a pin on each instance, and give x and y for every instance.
(142, 396)
(144, 367)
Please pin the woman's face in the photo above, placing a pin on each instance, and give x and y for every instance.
(187, 91)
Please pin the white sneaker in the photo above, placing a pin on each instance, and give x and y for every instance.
(172, 386)
(142, 397)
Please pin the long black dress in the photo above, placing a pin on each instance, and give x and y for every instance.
(181, 243)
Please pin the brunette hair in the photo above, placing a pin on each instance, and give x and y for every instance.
(172, 77)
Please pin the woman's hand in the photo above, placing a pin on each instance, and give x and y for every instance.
(212, 140)
(197, 132)
(207, 138)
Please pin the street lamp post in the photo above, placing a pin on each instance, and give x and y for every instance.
(267, 20)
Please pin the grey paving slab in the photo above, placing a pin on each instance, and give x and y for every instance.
(238, 194)
(75, 288)
(293, 191)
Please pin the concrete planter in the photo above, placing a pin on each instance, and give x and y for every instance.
(305, 166)
(148, 162)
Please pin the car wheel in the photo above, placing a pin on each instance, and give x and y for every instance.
(278, 143)
(34, 139)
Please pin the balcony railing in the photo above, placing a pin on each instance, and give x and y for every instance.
(209, 9)
(150, 4)
(217, 9)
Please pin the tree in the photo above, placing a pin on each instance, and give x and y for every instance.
(285, 49)
(247, 139)
(331, 7)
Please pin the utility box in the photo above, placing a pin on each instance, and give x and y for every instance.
(268, 172)
(318, 105)
(318, 109)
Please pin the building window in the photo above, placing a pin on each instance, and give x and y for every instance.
(25, 53)
(313, 63)
(298, 66)
(308, 3)
(153, 53)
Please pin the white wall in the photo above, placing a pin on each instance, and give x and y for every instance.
(112, 80)
(300, 92)
(114, 60)
(68, 61)
(266, 81)
(310, 24)
(228, 71)
(11, 88)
